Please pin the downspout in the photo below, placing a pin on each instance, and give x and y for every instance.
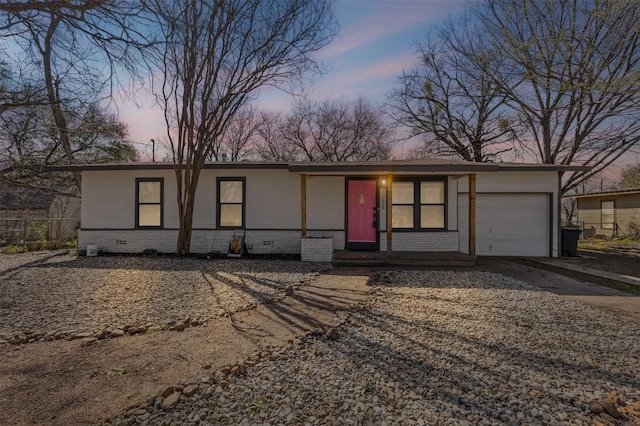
(472, 214)
(558, 213)
(303, 205)
(389, 213)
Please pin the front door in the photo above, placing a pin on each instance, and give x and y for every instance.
(362, 218)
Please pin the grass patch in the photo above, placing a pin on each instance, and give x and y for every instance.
(16, 248)
(586, 278)
(115, 372)
(604, 246)
(163, 327)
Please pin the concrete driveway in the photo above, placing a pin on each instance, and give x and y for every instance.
(622, 304)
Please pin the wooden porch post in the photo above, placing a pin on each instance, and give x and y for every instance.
(472, 214)
(303, 204)
(389, 209)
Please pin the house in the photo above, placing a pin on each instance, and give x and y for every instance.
(609, 214)
(28, 214)
(424, 205)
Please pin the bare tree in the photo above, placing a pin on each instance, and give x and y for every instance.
(16, 89)
(29, 143)
(235, 143)
(561, 78)
(268, 144)
(452, 103)
(328, 131)
(571, 71)
(70, 53)
(216, 57)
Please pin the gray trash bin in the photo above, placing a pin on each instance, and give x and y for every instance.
(569, 242)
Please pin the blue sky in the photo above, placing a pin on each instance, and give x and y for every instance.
(374, 45)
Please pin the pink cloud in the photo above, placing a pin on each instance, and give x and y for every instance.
(365, 22)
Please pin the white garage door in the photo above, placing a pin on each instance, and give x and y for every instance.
(512, 224)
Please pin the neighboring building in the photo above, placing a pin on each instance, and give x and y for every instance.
(414, 205)
(29, 214)
(608, 214)
(64, 217)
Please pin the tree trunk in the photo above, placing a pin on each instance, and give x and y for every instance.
(186, 225)
(53, 95)
(187, 177)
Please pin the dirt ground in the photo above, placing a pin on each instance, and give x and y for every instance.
(611, 256)
(66, 382)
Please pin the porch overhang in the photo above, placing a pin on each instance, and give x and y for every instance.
(388, 186)
(422, 166)
(387, 167)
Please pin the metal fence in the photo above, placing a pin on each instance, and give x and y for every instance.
(595, 230)
(26, 230)
(615, 230)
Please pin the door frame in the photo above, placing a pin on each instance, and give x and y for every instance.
(372, 246)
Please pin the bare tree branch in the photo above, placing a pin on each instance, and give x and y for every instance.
(50, 5)
(326, 131)
(572, 72)
(216, 56)
(450, 101)
(69, 59)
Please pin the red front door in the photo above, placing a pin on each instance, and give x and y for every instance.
(361, 215)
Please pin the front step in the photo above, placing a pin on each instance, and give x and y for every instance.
(411, 259)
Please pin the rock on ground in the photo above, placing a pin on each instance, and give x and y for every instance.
(435, 348)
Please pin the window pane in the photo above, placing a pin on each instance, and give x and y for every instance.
(608, 214)
(149, 215)
(402, 193)
(432, 216)
(402, 216)
(231, 215)
(149, 192)
(230, 191)
(607, 207)
(432, 192)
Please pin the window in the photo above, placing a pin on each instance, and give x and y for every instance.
(607, 215)
(418, 204)
(149, 202)
(402, 210)
(231, 199)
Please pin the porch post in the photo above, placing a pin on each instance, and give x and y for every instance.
(472, 214)
(389, 209)
(303, 204)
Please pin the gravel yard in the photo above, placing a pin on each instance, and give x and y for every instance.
(53, 295)
(433, 347)
(429, 347)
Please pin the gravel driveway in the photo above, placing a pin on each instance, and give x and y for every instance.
(434, 348)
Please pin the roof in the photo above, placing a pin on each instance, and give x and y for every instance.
(377, 166)
(166, 166)
(625, 191)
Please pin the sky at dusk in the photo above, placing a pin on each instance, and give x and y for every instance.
(374, 45)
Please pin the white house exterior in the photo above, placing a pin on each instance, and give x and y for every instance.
(386, 206)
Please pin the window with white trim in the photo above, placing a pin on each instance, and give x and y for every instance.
(607, 214)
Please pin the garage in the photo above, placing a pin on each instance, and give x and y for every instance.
(510, 224)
